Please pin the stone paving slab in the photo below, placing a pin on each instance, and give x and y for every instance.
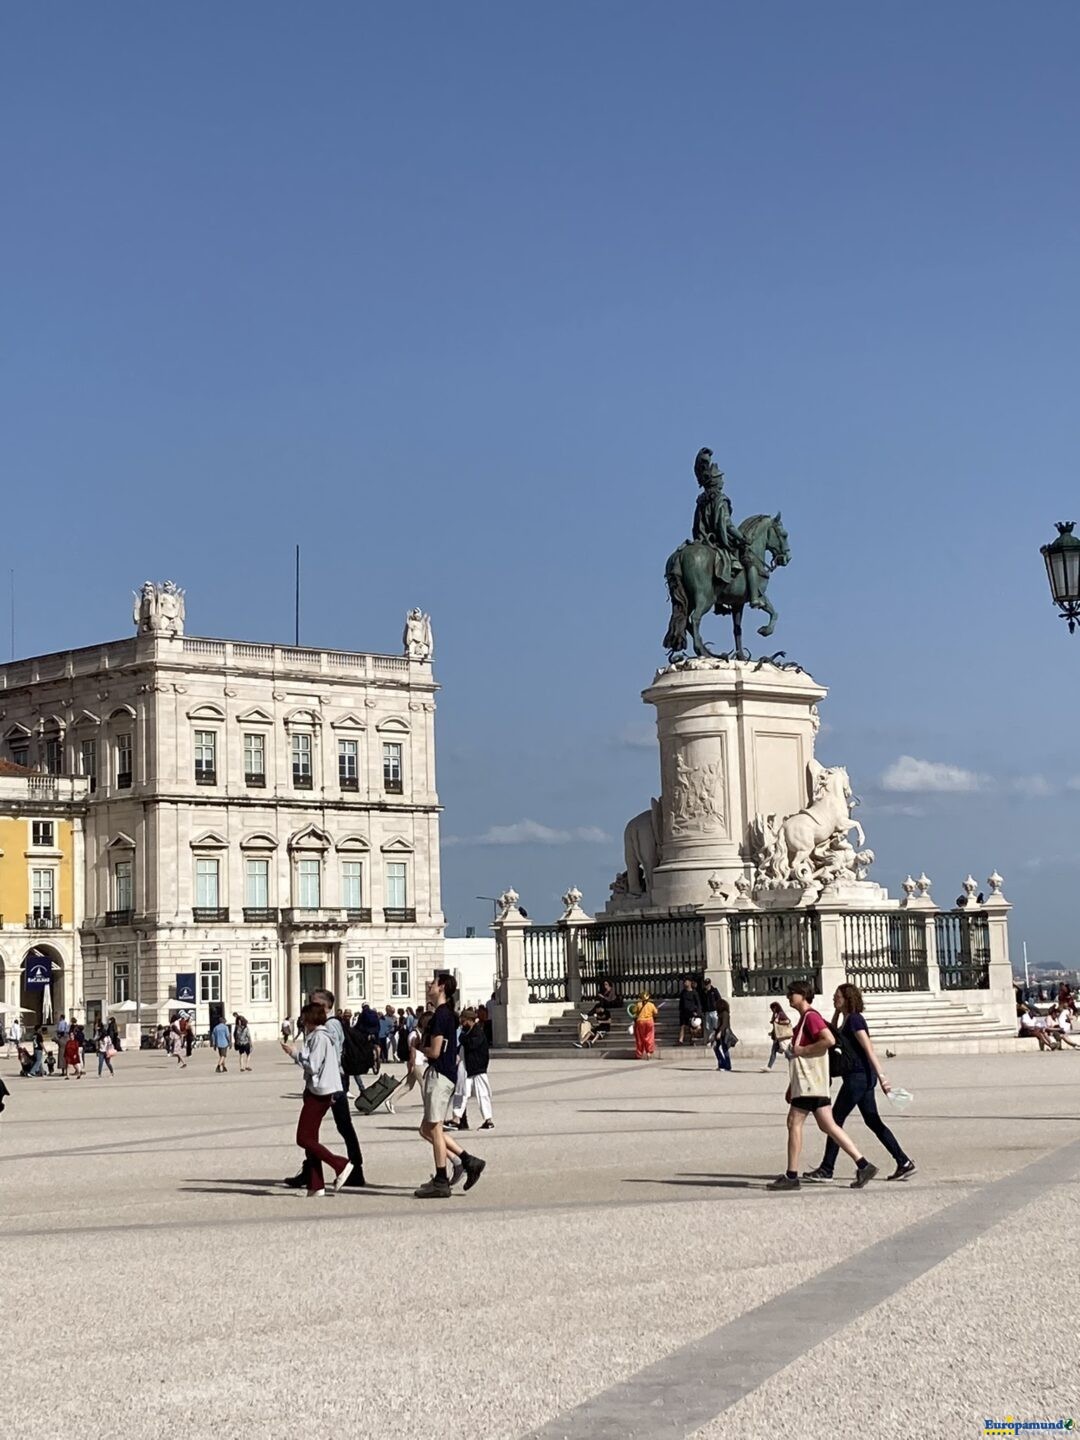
(622, 1217)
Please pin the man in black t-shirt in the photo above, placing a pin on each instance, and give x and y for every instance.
(440, 1046)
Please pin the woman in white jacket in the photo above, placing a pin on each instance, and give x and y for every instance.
(317, 1058)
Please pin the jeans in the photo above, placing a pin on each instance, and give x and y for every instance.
(37, 1068)
(307, 1137)
(779, 1047)
(723, 1056)
(857, 1092)
(102, 1061)
(711, 1021)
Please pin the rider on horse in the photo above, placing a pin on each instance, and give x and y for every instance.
(713, 526)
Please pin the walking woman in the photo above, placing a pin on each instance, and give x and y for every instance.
(645, 1013)
(176, 1045)
(808, 1091)
(857, 1090)
(317, 1057)
(105, 1051)
(779, 1033)
(242, 1041)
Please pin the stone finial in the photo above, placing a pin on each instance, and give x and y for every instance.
(508, 901)
(743, 887)
(572, 905)
(924, 882)
(995, 881)
(971, 889)
(909, 886)
(715, 887)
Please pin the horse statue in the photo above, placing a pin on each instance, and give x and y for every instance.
(692, 585)
(784, 848)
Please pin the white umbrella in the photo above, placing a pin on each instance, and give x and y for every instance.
(131, 1007)
(46, 1005)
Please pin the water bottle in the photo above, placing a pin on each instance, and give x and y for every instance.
(901, 1099)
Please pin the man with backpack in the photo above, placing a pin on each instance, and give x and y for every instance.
(339, 1104)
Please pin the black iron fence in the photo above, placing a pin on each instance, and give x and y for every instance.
(545, 962)
(963, 950)
(638, 955)
(769, 951)
(885, 950)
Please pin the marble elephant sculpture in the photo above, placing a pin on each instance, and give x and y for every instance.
(641, 846)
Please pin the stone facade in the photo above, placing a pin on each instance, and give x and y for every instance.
(261, 815)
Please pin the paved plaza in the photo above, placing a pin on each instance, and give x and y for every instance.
(619, 1271)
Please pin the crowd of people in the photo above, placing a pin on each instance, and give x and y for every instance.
(447, 1055)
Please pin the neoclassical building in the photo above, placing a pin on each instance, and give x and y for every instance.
(42, 870)
(261, 816)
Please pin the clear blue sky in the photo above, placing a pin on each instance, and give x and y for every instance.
(452, 295)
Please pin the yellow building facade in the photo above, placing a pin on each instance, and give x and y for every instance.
(41, 894)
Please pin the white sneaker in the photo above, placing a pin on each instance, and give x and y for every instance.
(319, 1194)
(342, 1176)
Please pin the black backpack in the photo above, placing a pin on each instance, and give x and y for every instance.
(357, 1052)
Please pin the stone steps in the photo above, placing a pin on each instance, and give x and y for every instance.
(908, 1023)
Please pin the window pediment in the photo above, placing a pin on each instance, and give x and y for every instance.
(17, 732)
(354, 843)
(303, 717)
(206, 711)
(120, 841)
(123, 712)
(393, 725)
(310, 838)
(209, 840)
(86, 718)
(255, 716)
(259, 841)
(348, 722)
(397, 845)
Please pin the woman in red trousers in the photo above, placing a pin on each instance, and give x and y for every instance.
(322, 1076)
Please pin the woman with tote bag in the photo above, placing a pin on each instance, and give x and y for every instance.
(808, 1091)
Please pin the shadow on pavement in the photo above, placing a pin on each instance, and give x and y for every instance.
(715, 1182)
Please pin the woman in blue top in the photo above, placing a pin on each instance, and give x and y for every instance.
(857, 1089)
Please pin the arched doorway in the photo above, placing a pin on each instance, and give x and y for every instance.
(42, 1003)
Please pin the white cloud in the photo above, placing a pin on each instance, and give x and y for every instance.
(911, 811)
(909, 775)
(1034, 787)
(638, 737)
(531, 832)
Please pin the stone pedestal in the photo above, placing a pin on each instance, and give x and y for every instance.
(735, 741)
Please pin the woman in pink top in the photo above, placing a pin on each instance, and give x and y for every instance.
(808, 1091)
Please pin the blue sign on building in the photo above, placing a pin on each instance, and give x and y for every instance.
(38, 971)
(185, 989)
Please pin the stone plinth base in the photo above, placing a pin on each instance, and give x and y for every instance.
(736, 739)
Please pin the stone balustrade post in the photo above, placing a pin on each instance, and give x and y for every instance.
(572, 923)
(1002, 994)
(511, 1017)
(833, 969)
(718, 946)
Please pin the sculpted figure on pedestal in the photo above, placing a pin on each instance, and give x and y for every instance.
(723, 567)
(811, 845)
(641, 843)
(417, 637)
(159, 609)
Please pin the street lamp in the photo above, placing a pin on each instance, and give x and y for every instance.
(1062, 558)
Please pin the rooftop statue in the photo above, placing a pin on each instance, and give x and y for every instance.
(159, 609)
(723, 566)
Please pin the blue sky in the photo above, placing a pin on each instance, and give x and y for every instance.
(452, 295)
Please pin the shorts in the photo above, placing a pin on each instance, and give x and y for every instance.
(243, 1049)
(438, 1096)
(222, 1051)
(810, 1103)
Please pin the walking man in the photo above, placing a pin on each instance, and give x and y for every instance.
(721, 1030)
(219, 1038)
(689, 1012)
(440, 1081)
(339, 1103)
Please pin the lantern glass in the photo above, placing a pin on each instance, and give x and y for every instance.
(1062, 558)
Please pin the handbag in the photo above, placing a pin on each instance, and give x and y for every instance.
(841, 1060)
(729, 1039)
